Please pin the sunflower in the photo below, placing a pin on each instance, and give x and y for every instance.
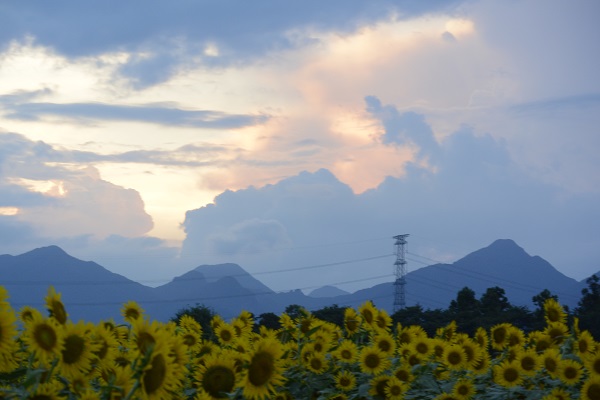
(79, 383)
(499, 335)
(591, 389)
(43, 336)
(157, 379)
(317, 363)
(264, 371)
(584, 344)
(119, 380)
(529, 361)
(482, 365)
(385, 342)
(422, 346)
(55, 306)
(27, 313)
(107, 345)
(447, 332)
(557, 331)
(395, 389)
(516, 337)
(404, 374)
(373, 361)
(206, 347)
(78, 349)
(131, 311)
(180, 356)
(4, 297)
(192, 339)
(352, 321)
(346, 352)
(472, 351)
(225, 334)
(592, 364)
(89, 395)
(507, 374)
(550, 360)
(558, 394)
(188, 323)
(382, 321)
(454, 357)
(345, 380)
(338, 396)
(241, 327)
(368, 313)
(218, 376)
(540, 341)
(378, 385)
(569, 371)
(145, 335)
(8, 332)
(46, 391)
(463, 389)
(287, 322)
(445, 396)
(482, 338)
(553, 312)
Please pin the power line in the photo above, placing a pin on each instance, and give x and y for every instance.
(131, 282)
(199, 299)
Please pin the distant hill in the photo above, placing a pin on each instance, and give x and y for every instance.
(328, 291)
(503, 263)
(91, 292)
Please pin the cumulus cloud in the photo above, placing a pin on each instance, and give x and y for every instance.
(56, 199)
(475, 195)
(249, 236)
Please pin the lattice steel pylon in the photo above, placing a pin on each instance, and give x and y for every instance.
(400, 269)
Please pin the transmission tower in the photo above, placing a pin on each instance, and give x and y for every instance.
(400, 267)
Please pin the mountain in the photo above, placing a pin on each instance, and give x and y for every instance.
(88, 290)
(91, 292)
(227, 288)
(327, 291)
(503, 263)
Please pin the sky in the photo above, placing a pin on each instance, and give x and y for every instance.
(297, 138)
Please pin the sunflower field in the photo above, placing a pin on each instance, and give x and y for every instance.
(48, 357)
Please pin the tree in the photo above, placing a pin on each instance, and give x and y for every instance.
(296, 311)
(269, 320)
(494, 301)
(540, 298)
(465, 310)
(538, 322)
(201, 314)
(333, 314)
(588, 308)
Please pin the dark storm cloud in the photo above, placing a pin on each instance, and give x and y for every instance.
(158, 114)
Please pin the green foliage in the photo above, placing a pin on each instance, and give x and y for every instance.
(588, 308)
(201, 314)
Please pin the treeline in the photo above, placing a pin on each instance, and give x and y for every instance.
(468, 311)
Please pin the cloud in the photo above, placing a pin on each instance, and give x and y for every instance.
(249, 236)
(152, 114)
(475, 195)
(55, 199)
(404, 128)
(164, 37)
